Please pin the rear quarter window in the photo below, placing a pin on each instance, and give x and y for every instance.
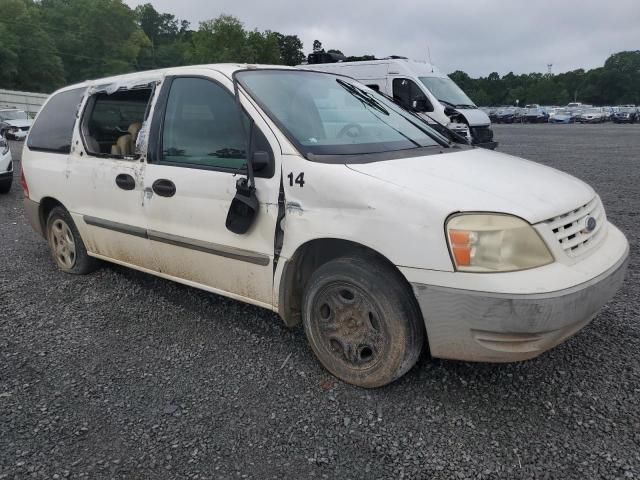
(53, 129)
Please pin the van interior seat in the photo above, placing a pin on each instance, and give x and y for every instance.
(126, 144)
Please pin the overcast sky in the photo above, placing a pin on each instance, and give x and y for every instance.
(478, 36)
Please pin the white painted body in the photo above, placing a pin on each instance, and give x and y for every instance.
(5, 160)
(398, 208)
(382, 72)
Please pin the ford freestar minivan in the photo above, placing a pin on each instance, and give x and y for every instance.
(310, 194)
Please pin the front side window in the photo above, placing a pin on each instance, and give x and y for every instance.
(53, 130)
(409, 95)
(326, 114)
(203, 126)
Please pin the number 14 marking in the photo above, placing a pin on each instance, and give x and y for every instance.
(299, 179)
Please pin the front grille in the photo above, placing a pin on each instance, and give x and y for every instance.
(481, 134)
(571, 230)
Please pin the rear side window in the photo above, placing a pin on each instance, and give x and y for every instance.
(53, 129)
(113, 121)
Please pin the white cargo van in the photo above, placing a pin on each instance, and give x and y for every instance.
(422, 87)
(311, 195)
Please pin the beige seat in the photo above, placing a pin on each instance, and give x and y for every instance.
(126, 144)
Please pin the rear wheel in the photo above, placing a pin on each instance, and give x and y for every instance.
(66, 245)
(362, 321)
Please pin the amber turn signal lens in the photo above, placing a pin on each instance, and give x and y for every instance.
(459, 237)
(462, 255)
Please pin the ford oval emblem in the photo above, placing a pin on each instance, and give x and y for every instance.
(590, 224)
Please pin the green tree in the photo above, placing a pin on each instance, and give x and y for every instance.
(290, 49)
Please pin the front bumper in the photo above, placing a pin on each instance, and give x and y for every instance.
(17, 134)
(482, 326)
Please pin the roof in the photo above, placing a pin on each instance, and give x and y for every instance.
(226, 69)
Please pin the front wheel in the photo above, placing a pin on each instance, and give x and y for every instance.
(66, 245)
(5, 185)
(362, 321)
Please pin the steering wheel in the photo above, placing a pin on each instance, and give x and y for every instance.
(349, 127)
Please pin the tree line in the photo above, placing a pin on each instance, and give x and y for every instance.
(617, 82)
(50, 43)
(45, 44)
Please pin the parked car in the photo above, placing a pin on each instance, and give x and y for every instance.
(562, 116)
(625, 115)
(312, 195)
(14, 124)
(607, 112)
(591, 115)
(535, 114)
(509, 115)
(6, 166)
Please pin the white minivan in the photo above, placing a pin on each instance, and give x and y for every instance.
(309, 194)
(421, 87)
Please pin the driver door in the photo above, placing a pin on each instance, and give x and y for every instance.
(410, 95)
(199, 142)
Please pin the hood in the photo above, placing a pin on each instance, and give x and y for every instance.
(19, 123)
(483, 180)
(475, 117)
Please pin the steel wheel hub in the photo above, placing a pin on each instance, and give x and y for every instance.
(62, 244)
(349, 324)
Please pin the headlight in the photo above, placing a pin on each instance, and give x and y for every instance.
(4, 146)
(494, 243)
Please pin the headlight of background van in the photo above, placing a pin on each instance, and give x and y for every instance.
(494, 243)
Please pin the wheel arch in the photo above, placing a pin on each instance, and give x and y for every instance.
(306, 259)
(46, 205)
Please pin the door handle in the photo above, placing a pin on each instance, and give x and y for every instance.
(164, 187)
(125, 181)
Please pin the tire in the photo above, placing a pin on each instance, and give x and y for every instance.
(66, 245)
(362, 321)
(5, 186)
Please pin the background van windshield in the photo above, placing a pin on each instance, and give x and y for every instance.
(445, 90)
(13, 115)
(329, 115)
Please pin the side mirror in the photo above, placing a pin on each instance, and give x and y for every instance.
(244, 208)
(261, 160)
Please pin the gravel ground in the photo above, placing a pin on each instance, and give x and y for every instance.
(123, 375)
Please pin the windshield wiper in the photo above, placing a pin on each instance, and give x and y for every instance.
(464, 105)
(448, 104)
(363, 96)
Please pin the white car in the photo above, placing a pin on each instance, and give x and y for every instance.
(14, 124)
(352, 216)
(6, 166)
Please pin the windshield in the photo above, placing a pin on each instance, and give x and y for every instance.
(593, 110)
(445, 90)
(13, 115)
(627, 109)
(324, 114)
